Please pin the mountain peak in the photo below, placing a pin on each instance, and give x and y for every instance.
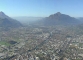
(3, 15)
(58, 13)
(1, 12)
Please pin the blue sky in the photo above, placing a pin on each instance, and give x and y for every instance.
(41, 8)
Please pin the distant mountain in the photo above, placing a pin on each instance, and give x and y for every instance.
(6, 21)
(59, 19)
(26, 19)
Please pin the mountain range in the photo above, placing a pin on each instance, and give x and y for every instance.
(54, 19)
(25, 19)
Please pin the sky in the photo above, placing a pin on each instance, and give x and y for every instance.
(41, 8)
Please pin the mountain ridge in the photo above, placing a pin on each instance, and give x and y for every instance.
(6, 21)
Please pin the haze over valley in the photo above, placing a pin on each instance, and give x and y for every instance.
(41, 30)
